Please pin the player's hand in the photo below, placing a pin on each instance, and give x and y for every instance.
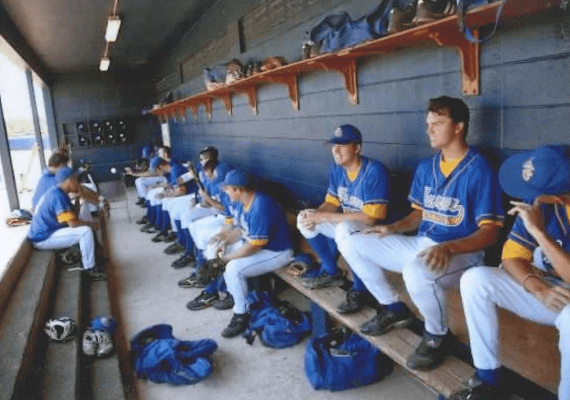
(530, 215)
(307, 218)
(437, 257)
(379, 230)
(128, 170)
(555, 297)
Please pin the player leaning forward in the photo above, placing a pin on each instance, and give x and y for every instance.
(540, 293)
(457, 211)
(263, 243)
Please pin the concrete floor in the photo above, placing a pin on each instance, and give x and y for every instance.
(149, 295)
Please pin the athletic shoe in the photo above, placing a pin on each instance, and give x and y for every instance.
(355, 301)
(147, 227)
(158, 238)
(477, 390)
(140, 202)
(204, 300)
(96, 274)
(238, 324)
(189, 282)
(431, 351)
(143, 220)
(170, 237)
(322, 280)
(385, 321)
(183, 261)
(174, 248)
(224, 304)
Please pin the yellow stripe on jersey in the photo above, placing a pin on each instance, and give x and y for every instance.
(375, 210)
(352, 175)
(66, 216)
(447, 166)
(512, 249)
(332, 200)
(416, 207)
(491, 222)
(258, 242)
(228, 221)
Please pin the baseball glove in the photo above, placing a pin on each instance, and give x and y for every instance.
(210, 271)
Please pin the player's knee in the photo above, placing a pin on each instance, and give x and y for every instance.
(343, 232)
(475, 282)
(563, 321)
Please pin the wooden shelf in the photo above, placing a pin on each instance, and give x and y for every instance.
(443, 32)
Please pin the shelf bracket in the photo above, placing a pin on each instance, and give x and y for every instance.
(251, 92)
(469, 54)
(194, 109)
(208, 106)
(291, 81)
(227, 99)
(347, 67)
(181, 112)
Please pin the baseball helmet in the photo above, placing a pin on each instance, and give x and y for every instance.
(97, 343)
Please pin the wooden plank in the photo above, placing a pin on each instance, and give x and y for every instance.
(397, 344)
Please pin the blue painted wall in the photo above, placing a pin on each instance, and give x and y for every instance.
(525, 102)
(94, 97)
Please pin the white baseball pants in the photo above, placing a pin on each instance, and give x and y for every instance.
(176, 206)
(369, 255)
(195, 213)
(484, 289)
(145, 183)
(67, 237)
(204, 229)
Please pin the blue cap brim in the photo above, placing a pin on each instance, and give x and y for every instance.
(510, 178)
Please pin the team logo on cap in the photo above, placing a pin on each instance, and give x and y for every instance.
(338, 132)
(528, 170)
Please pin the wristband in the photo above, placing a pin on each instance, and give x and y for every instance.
(527, 277)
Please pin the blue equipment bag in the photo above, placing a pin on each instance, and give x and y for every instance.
(338, 31)
(161, 358)
(277, 323)
(343, 360)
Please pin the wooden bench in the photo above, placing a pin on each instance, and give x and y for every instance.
(34, 289)
(527, 349)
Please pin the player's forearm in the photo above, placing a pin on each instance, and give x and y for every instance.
(336, 217)
(327, 207)
(559, 258)
(89, 195)
(407, 224)
(481, 239)
(246, 250)
(524, 273)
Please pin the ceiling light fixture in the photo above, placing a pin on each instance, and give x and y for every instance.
(113, 25)
(104, 64)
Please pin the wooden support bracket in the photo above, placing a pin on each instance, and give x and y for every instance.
(347, 67)
(251, 92)
(291, 81)
(227, 99)
(469, 54)
(208, 106)
(194, 108)
(181, 112)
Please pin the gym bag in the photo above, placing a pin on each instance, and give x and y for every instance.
(161, 358)
(277, 323)
(343, 360)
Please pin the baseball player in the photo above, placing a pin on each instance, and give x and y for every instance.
(264, 244)
(539, 292)
(207, 203)
(55, 226)
(47, 180)
(150, 179)
(158, 218)
(457, 211)
(357, 197)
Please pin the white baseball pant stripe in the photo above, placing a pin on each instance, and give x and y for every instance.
(195, 213)
(67, 237)
(238, 270)
(145, 183)
(369, 255)
(485, 288)
(204, 229)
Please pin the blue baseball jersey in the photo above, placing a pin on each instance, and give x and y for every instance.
(264, 223)
(454, 207)
(557, 226)
(369, 192)
(46, 182)
(211, 185)
(176, 171)
(231, 210)
(53, 210)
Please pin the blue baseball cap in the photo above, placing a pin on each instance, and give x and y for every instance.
(236, 178)
(155, 162)
(546, 170)
(345, 134)
(63, 174)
